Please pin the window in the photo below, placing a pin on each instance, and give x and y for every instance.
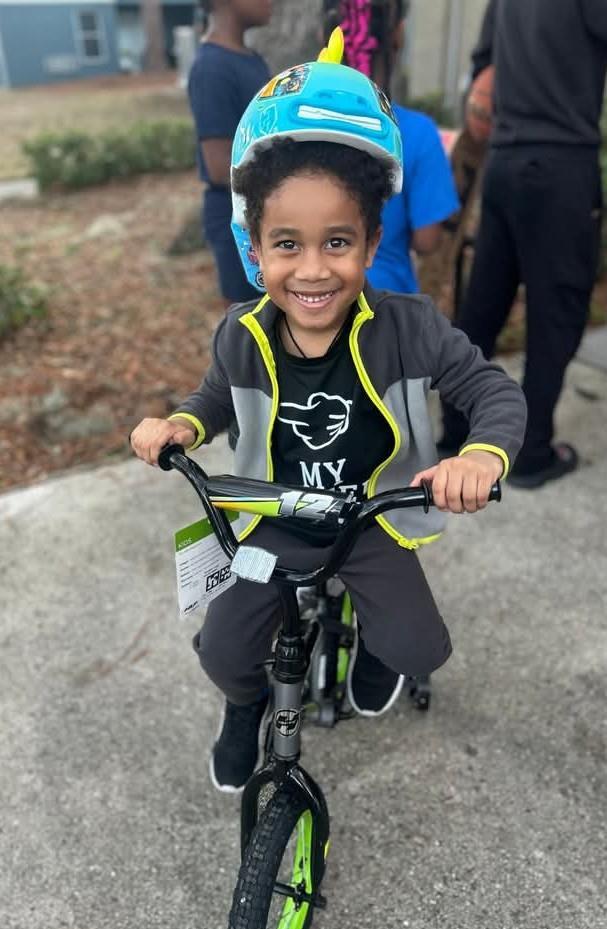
(90, 36)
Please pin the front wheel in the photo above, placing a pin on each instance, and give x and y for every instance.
(275, 883)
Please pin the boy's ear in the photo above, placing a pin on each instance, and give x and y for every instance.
(256, 248)
(372, 246)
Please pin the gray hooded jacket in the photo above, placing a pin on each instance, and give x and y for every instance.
(402, 347)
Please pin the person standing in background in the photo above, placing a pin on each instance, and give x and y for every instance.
(223, 79)
(411, 220)
(541, 205)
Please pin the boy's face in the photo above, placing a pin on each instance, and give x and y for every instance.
(313, 250)
(253, 12)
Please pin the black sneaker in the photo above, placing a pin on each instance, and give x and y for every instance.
(372, 687)
(565, 459)
(235, 752)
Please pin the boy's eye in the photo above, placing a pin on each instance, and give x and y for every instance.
(286, 244)
(337, 242)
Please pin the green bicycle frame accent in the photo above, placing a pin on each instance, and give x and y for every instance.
(343, 656)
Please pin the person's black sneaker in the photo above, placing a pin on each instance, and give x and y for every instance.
(564, 460)
(372, 687)
(235, 752)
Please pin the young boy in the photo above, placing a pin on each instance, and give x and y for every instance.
(411, 219)
(224, 77)
(328, 381)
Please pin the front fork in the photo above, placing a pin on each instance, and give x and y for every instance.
(282, 765)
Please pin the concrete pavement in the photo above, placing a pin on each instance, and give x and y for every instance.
(487, 813)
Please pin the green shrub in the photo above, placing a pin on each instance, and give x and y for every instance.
(71, 160)
(20, 301)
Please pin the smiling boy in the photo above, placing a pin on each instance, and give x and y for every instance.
(328, 381)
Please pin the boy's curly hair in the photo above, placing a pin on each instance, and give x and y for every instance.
(365, 178)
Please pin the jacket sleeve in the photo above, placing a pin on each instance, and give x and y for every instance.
(482, 53)
(210, 408)
(492, 401)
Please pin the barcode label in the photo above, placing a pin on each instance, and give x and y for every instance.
(254, 564)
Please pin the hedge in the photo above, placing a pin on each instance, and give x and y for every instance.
(71, 160)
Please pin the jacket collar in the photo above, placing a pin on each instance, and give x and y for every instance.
(265, 311)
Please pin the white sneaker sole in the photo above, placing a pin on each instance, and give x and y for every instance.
(393, 696)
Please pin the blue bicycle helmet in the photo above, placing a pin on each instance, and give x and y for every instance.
(318, 101)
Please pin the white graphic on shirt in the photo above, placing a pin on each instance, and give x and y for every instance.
(320, 421)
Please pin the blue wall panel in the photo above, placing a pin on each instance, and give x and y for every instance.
(40, 43)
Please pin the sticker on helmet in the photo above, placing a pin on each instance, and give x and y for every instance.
(288, 82)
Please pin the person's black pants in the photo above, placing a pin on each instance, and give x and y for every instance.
(540, 225)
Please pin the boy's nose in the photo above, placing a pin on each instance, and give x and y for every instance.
(312, 267)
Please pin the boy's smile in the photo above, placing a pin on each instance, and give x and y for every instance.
(313, 252)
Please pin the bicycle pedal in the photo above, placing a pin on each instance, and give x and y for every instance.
(420, 693)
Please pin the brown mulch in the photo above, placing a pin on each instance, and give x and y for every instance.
(128, 330)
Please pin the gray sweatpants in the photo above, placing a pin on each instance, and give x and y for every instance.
(398, 618)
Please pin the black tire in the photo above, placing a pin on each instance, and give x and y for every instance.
(254, 893)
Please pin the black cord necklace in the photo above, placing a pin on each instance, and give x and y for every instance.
(298, 347)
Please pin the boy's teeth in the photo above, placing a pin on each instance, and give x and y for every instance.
(317, 298)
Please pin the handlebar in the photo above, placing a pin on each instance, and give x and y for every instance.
(349, 516)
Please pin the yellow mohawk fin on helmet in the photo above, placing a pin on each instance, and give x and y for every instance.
(334, 50)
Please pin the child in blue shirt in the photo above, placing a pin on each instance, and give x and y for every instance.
(223, 79)
(411, 219)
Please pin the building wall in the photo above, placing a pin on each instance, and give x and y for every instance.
(42, 42)
(441, 35)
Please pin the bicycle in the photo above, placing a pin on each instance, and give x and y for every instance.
(285, 839)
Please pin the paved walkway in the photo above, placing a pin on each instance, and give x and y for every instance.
(487, 813)
(25, 188)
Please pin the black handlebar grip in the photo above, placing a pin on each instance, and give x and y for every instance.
(164, 458)
(496, 492)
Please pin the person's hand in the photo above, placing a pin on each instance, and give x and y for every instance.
(462, 484)
(151, 435)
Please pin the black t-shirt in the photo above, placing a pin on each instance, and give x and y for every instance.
(550, 60)
(328, 433)
(220, 85)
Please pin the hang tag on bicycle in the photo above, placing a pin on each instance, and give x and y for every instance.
(203, 568)
(254, 564)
